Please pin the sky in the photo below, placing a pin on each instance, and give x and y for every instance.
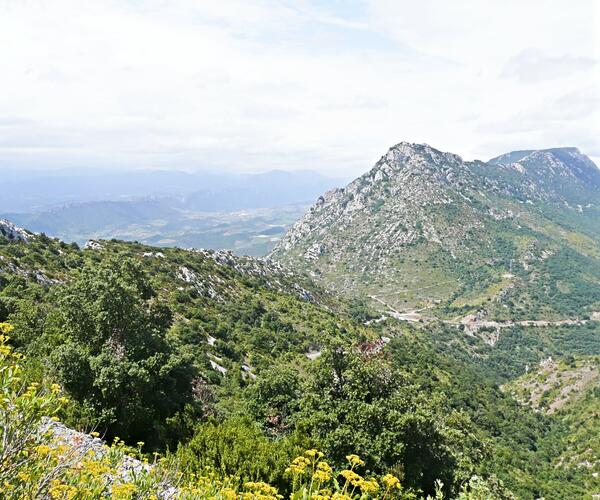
(255, 85)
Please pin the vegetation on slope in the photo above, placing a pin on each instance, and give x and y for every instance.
(235, 367)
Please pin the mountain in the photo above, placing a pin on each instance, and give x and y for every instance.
(426, 233)
(557, 174)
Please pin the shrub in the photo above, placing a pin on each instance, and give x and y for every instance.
(37, 463)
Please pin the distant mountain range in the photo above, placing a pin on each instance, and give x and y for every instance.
(241, 212)
(427, 234)
(36, 191)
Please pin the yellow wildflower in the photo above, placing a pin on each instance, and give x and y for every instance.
(323, 472)
(5, 328)
(391, 481)
(313, 453)
(354, 460)
(350, 475)
(123, 491)
(22, 476)
(43, 450)
(298, 466)
(229, 494)
(369, 486)
(340, 496)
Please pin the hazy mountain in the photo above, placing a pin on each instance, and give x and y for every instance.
(270, 189)
(516, 237)
(246, 213)
(29, 191)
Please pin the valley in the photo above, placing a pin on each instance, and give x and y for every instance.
(245, 213)
(473, 323)
(156, 222)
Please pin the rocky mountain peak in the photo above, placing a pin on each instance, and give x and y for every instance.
(400, 162)
(555, 171)
(407, 151)
(517, 156)
(392, 205)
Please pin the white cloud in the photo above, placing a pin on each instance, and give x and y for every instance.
(533, 66)
(254, 84)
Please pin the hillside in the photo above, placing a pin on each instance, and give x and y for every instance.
(426, 233)
(240, 365)
(568, 390)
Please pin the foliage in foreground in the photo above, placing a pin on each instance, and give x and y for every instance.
(36, 463)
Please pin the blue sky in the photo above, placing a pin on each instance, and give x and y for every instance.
(253, 85)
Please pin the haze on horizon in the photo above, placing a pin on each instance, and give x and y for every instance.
(253, 85)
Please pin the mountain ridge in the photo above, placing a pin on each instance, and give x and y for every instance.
(421, 216)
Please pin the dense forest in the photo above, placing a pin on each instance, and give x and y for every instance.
(234, 377)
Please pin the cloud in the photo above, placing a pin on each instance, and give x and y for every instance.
(570, 119)
(260, 84)
(533, 66)
(574, 107)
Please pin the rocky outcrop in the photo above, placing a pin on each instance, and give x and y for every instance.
(92, 245)
(203, 285)
(84, 445)
(14, 233)
(37, 275)
(273, 273)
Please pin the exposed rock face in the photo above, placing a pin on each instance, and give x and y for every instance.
(14, 233)
(37, 275)
(92, 245)
(203, 286)
(413, 183)
(559, 174)
(83, 444)
(274, 274)
(413, 193)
